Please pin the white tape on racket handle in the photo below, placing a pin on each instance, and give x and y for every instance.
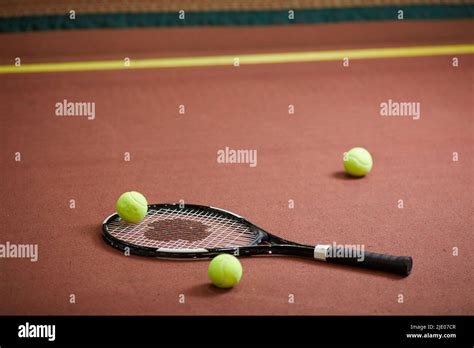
(321, 252)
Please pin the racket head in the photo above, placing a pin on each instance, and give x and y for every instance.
(182, 232)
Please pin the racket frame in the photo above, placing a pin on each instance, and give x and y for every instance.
(272, 244)
(264, 243)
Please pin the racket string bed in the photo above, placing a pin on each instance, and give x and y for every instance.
(217, 226)
(232, 232)
(220, 231)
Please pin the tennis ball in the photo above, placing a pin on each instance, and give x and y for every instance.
(358, 161)
(132, 206)
(225, 271)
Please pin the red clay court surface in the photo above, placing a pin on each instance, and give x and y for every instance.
(173, 157)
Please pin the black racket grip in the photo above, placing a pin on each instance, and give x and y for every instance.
(381, 262)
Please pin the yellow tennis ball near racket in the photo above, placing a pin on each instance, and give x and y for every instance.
(358, 162)
(132, 206)
(225, 271)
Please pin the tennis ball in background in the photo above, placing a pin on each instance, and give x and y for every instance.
(132, 206)
(358, 161)
(225, 271)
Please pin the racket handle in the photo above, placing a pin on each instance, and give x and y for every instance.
(381, 262)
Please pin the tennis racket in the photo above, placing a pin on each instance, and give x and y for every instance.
(195, 232)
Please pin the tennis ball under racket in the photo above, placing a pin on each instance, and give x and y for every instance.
(358, 161)
(225, 271)
(132, 206)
